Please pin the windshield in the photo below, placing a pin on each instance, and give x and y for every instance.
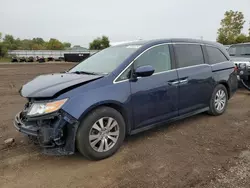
(240, 50)
(106, 60)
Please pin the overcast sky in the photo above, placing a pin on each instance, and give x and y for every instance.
(80, 21)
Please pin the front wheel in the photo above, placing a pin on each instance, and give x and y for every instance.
(101, 133)
(218, 101)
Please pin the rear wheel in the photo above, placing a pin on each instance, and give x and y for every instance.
(218, 101)
(101, 133)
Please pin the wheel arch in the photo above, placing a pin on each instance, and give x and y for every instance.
(112, 104)
(224, 83)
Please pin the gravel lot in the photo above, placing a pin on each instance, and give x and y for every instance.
(201, 151)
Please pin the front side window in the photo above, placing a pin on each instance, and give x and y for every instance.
(106, 61)
(188, 55)
(125, 75)
(158, 57)
(215, 55)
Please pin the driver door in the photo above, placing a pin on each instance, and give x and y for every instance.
(155, 98)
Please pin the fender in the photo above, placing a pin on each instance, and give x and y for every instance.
(125, 112)
(113, 95)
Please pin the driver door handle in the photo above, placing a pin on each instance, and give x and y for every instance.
(172, 83)
(183, 81)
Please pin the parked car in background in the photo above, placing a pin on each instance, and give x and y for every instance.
(41, 60)
(30, 59)
(59, 59)
(227, 46)
(50, 59)
(22, 59)
(123, 90)
(14, 59)
(240, 55)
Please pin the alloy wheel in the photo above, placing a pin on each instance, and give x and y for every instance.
(220, 100)
(104, 134)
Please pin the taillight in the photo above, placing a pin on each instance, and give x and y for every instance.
(235, 68)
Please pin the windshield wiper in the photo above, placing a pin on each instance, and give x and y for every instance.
(85, 72)
(245, 54)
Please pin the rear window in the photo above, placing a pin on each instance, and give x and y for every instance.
(215, 55)
(188, 55)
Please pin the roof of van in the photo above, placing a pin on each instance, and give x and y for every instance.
(170, 40)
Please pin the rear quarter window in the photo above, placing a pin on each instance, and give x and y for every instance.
(215, 55)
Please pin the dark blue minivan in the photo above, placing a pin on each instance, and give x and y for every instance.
(123, 90)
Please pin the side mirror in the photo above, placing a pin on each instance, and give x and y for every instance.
(144, 71)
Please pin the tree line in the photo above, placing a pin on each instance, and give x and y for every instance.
(8, 42)
(231, 28)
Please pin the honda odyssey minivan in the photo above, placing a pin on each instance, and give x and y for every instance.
(123, 90)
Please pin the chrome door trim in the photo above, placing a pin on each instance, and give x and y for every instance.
(116, 82)
(193, 66)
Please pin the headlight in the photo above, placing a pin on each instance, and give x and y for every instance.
(45, 108)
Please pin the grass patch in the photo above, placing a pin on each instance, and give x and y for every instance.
(5, 60)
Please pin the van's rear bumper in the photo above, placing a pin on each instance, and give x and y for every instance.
(55, 133)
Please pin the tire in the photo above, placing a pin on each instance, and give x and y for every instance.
(213, 108)
(88, 130)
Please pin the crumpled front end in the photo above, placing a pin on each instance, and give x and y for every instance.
(54, 132)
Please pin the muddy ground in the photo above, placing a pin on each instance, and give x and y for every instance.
(201, 151)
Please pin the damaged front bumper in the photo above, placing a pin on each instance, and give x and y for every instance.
(55, 133)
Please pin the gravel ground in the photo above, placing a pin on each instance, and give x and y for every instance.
(201, 151)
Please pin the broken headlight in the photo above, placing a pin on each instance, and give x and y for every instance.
(45, 108)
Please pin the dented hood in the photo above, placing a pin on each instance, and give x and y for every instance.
(49, 85)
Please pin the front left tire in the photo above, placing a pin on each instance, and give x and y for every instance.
(101, 133)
